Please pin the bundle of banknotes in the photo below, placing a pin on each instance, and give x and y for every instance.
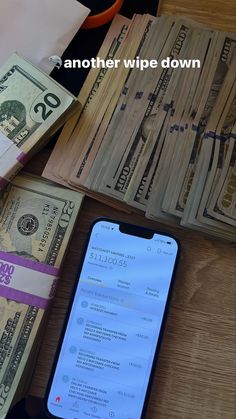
(161, 140)
(37, 218)
(32, 108)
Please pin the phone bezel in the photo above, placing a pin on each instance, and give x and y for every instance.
(163, 322)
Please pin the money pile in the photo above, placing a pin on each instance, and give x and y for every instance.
(161, 140)
(37, 218)
(32, 108)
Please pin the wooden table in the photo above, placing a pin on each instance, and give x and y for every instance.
(196, 373)
(217, 14)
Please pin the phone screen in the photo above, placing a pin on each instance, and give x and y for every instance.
(107, 352)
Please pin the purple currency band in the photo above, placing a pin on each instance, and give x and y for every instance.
(209, 134)
(166, 107)
(22, 158)
(23, 296)
(194, 127)
(3, 182)
(221, 137)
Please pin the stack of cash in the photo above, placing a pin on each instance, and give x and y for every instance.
(32, 108)
(161, 140)
(37, 218)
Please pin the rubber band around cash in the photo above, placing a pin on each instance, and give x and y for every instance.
(27, 281)
(23, 158)
(3, 182)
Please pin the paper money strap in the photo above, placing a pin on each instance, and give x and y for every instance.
(27, 281)
(12, 160)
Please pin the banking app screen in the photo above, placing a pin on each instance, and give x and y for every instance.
(107, 352)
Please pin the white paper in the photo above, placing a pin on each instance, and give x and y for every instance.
(5, 143)
(36, 283)
(9, 165)
(39, 29)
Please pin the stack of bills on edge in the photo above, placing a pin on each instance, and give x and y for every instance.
(148, 138)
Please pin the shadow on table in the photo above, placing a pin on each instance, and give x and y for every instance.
(30, 408)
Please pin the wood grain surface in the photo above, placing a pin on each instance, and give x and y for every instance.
(196, 373)
(217, 14)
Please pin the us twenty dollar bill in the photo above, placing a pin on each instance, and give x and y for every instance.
(31, 103)
(36, 222)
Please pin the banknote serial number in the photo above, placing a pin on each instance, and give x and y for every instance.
(52, 213)
(6, 272)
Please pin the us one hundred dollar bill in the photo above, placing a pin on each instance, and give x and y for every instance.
(36, 222)
(223, 203)
(144, 142)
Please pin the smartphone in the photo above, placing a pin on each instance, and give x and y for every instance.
(112, 334)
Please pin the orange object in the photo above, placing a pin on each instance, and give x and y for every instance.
(104, 17)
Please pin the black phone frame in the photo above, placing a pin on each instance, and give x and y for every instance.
(163, 322)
